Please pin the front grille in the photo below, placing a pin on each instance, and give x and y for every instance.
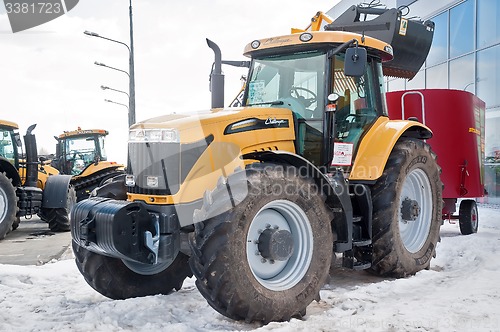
(156, 168)
(160, 168)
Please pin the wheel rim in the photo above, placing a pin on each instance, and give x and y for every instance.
(147, 269)
(3, 204)
(415, 231)
(473, 217)
(278, 275)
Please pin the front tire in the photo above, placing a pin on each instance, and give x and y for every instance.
(120, 280)
(407, 205)
(468, 217)
(8, 205)
(266, 258)
(58, 218)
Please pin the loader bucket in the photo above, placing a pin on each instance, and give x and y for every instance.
(410, 39)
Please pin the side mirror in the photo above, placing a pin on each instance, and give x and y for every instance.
(355, 61)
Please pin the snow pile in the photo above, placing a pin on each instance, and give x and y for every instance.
(459, 293)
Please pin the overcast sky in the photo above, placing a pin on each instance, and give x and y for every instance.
(48, 74)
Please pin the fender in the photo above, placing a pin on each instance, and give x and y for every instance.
(10, 172)
(55, 193)
(334, 187)
(97, 167)
(377, 144)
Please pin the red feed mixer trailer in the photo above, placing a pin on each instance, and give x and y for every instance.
(457, 120)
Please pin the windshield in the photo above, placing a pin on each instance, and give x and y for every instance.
(7, 145)
(295, 81)
(80, 152)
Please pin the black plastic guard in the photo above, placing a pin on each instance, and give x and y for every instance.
(55, 193)
(114, 228)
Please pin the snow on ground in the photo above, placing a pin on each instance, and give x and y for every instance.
(461, 292)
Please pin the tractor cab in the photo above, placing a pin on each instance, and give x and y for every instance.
(9, 141)
(78, 149)
(330, 103)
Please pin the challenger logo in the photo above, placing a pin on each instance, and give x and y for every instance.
(255, 124)
(27, 14)
(276, 122)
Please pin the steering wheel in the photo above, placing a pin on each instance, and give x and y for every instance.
(303, 100)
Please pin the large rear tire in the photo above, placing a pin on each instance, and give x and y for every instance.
(407, 206)
(468, 217)
(114, 279)
(58, 218)
(267, 258)
(8, 205)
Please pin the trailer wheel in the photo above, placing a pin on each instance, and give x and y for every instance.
(58, 218)
(468, 217)
(114, 279)
(407, 205)
(8, 205)
(267, 258)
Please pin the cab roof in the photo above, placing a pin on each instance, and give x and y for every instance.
(9, 124)
(80, 132)
(380, 48)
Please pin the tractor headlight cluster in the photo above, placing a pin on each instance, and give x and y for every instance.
(154, 135)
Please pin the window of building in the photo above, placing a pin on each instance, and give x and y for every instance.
(462, 29)
(488, 76)
(462, 73)
(492, 164)
(418, 82)
(437, 77)
(439, 48)
(396, 84)
(488, 25)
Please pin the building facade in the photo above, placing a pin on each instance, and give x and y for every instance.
(465, 55)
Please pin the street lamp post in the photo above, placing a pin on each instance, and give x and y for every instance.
(108, 88)
(103, 65)
(114, 102)
(131, 115)
(131, 107)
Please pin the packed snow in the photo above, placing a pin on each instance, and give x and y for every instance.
(461, 292)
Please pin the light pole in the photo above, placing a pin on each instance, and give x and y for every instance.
(103, 65)
(131, 107)
(114, 102)
(108, 88)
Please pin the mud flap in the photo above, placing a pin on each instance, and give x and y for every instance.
(55, 193)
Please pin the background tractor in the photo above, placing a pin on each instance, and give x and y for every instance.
(82, 154)
(256, 200)
(26, 188)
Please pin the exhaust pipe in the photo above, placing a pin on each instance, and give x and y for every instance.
(216, 77)
(31, 158)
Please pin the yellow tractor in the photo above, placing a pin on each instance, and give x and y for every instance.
(82, 154)
(26, 186)
(256, 200)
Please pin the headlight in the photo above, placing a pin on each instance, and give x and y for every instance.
(154, 135)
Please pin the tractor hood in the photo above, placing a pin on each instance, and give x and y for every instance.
(179, 156)
(226, 125)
